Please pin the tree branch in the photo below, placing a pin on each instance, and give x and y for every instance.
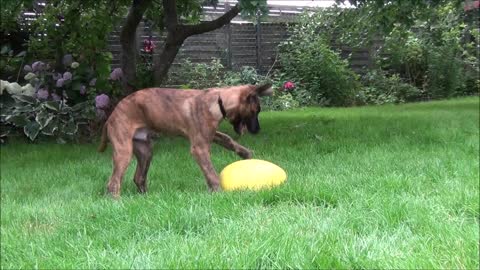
(212, 25)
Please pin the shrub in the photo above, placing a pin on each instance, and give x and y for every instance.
(37, 117)
(56, 104)
(380, 89)
(434, 54)
(306, 58)
(246, 75)
(196, 75)
(10, 63)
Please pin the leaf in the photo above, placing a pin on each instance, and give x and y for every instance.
(52, 105)
(70, 128)
(31, 130)
(5, 49)
(21, 54)
(76, 86)
(51, 127)
(43, 118)
(26, 99)
(4, 132)
(79, 106)
(23, 109)
(17, 120)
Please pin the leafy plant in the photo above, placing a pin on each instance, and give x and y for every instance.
(10, 63)
(380, 89)
(434, 54)
(197, 75)
(43, 117)
(246, 75)
(308, 59)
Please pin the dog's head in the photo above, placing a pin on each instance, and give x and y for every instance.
(244, 115)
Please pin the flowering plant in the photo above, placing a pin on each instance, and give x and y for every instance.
(288, 85)
(71, 85)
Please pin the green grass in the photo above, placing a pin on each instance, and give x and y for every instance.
(371, 187)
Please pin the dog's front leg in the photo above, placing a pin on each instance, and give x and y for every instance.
(201, 152)
(227, 142)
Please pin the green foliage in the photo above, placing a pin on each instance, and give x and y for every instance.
(434, 54)
(197, 75)
(75, 84)
(308, 59)
(246, 75)
(43, 117)
(10, 63)
(283, 101)
(79, 27)
(10, 10)
(380, 89)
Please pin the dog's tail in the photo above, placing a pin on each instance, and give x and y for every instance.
(103, 140)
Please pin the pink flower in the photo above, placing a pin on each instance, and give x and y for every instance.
(42, 94)
(60, 82)
(56, 76)
(67, 76)
(116, 74)
(83, 90)
(38, 66)
(67, 60)
(56, 97)
(288, 85)
(101, 115)
(148, 45)
(102, 101)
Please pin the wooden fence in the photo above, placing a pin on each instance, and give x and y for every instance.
(237, 45)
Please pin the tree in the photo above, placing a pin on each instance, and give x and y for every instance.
(180, 20)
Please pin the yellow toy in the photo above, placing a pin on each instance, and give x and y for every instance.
(253, 174)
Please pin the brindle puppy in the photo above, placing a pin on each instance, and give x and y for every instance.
(194, 114)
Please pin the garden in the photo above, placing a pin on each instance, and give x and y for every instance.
(382, 161)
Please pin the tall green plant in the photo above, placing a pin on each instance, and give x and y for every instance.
(307, 58)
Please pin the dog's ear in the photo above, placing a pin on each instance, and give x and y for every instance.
(264, 90)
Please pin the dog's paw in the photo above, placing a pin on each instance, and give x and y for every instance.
(246, 154)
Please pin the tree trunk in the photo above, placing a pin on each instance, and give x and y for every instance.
(177, 33)
(166, 57)
(128, 42)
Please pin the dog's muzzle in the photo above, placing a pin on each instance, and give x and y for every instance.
(250, 124)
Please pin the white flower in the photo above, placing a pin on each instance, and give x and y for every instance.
(75, 65)
(14, 88)
(28, 90)
(30, 76)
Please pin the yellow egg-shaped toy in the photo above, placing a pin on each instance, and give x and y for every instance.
(253, 174)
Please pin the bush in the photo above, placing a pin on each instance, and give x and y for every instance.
(434, 55)
(10, 63)
(380, 89)
(56, 104)
(197, 75)
(306, 58)
(40, 117)
(246, 75)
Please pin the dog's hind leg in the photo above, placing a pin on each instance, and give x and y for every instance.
(142, 148)
(228, 143)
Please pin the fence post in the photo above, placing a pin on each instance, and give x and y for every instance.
(228, 36)
(258, 37)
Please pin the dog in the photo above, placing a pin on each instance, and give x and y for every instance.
(193, 114)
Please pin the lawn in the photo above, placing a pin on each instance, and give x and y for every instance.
(368, 187)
